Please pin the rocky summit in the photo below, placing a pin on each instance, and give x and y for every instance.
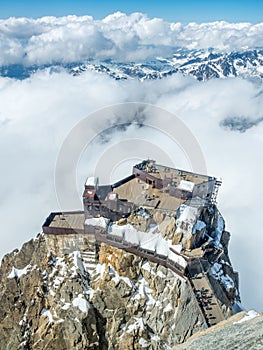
(54, 299)
(144, 266)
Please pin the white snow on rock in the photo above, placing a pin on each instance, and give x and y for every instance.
(227, 282)
(219, 230)
(149, 241)
(186, 218)
(57, 281)
(60, 263)
(144, 343)
(19, 272)
(160, 274)
(143, 213)
(198, 226)
(144, 292)
(168, 308)
(66, 306)
(137, 324)
(118, 278)
(248, 316)
(78, 262)
(97, 222)
(47, 313)
(218, 273)
(51, 292)
(81, 303)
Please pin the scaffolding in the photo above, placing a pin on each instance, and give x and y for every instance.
(218, 183)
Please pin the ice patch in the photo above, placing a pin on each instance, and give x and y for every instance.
(227, 282)
(100, 268)
(57, 281)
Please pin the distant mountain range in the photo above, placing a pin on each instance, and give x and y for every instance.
(200, 64)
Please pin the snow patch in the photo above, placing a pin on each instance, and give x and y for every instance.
(219, 230)
(47, 313)
(198, 226)
(66, 306)
(144, 343)
(168, 308)
(186, 218)
(19, 272)
(149, 241)
(218, 273)
(78, 263)
(160, 274)
(97, 222)
(52, 292)
(81, 303)
(146, 266)
(138, 324)
(248, 316)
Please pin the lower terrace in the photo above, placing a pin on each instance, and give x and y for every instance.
(64, 223)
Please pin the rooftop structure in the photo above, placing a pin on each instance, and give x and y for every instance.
(159, 213)
(151, 186)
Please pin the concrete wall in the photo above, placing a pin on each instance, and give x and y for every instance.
(66, 244)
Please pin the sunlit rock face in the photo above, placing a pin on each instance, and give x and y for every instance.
(54, 298)
(64, 292)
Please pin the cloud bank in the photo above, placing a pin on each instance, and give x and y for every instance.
(36, 115)
(119, 36)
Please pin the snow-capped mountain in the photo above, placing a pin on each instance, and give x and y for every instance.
(200, 64)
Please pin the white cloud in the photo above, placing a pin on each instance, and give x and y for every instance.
(36, 115)
(118, 36)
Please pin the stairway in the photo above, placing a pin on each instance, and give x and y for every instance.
(89, 260)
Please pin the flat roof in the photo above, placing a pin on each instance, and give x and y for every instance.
(72, 220)
(142, 194)
(166, 172)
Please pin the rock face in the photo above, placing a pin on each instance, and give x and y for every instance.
(243, 332)
(54, 295)
(150, 280)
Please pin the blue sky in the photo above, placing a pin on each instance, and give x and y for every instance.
(183, 11)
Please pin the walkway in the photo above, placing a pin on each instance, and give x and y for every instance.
(206, 299)
(72, 222)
